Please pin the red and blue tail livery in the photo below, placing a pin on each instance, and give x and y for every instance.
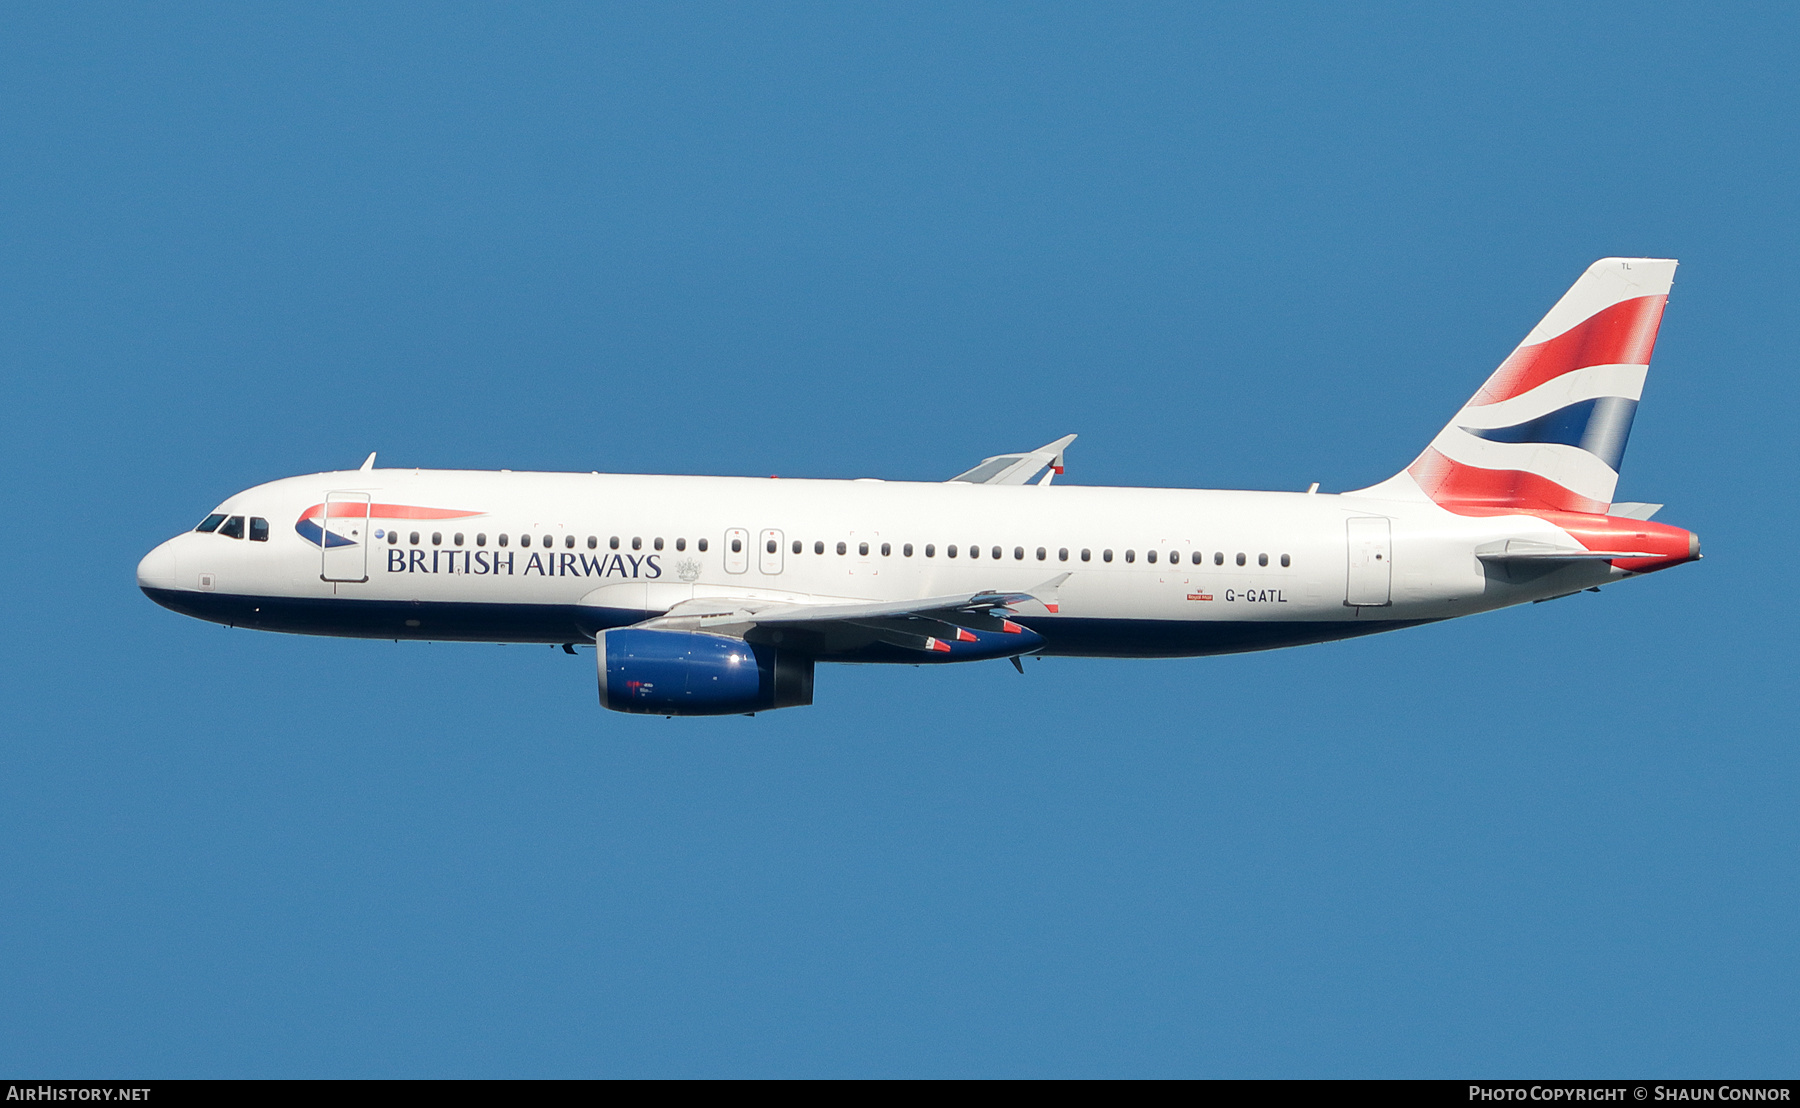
(720, 595)
(1548, 429)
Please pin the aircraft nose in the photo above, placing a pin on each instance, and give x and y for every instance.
(157, 570)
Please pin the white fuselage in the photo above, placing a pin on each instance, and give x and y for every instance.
(558, 557)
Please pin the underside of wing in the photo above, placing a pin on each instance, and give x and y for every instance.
(962, 627)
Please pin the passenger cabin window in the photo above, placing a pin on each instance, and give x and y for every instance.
(1019, 554)
(233, 527)
(259, 529)
(818, 548)
(1284, 561)
(886, 549)
(974, 551)
(950, 551)
(414, 538)
(437, 538)
(1062, 554)
(1218, 557)
(771, 546)
(996, 553)
(930, 550)
(799, 546)
(613, 543)
(594, 542)
(737, 545)
(1240, 558)
(1106, 555)
(637, 543)
(906, 551)
(1149, 556)
(1042, 553)
(700, 545)
(481, 538)
(842, 549)
(1198, 557)
(393, 537)
(862, 548)
(501, 538)
(658, 544)
(569, 541)
(1131, 555)
(211, 523)
(1262, 559)
(680, 544)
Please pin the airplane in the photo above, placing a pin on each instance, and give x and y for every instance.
(718, 595)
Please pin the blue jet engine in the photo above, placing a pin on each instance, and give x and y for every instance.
(691, 673)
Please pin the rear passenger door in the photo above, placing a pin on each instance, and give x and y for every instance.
(1371, 568)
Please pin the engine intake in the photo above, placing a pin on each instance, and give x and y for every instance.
(691, 673)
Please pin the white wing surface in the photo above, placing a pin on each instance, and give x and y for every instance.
(1018, 469)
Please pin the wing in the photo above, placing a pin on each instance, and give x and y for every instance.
(949, 628)
(1017, 469)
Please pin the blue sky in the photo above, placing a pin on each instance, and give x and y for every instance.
(238, 243)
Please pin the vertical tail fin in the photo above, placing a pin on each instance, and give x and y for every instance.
(1548, 429)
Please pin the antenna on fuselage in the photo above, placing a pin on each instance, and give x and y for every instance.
(368, 463)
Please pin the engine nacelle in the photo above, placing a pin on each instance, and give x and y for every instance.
(691, 673)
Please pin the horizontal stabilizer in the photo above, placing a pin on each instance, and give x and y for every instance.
(1631, 510)
(1524, 550)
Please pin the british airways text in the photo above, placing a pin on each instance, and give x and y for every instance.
(477, 563)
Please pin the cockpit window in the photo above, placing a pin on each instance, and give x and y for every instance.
(211, 522)
(259, 529)
(233, 527)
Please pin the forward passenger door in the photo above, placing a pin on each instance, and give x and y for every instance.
(344, 543)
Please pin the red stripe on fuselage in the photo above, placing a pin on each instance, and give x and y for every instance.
(1623, 334)
(356, 509)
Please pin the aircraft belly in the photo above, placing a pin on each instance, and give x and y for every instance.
(444, 621)
(1122, 638)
